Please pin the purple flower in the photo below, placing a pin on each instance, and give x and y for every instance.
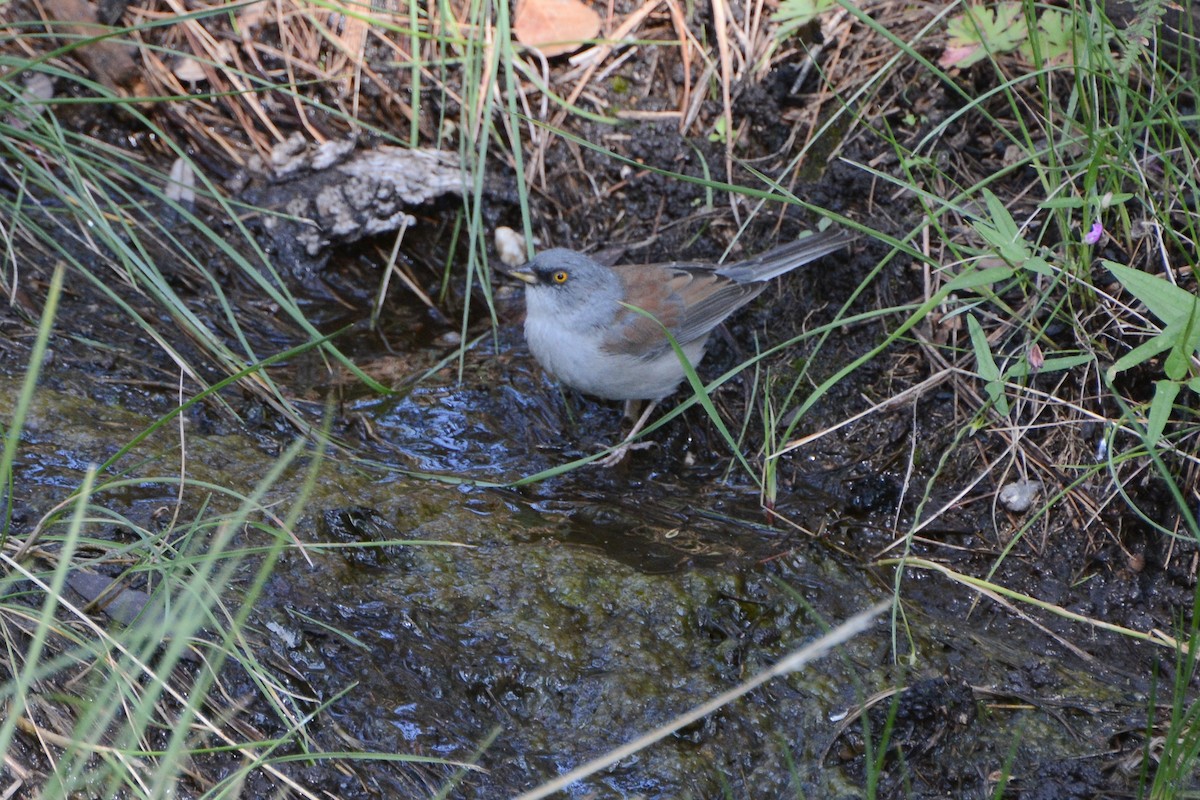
(1093, 236)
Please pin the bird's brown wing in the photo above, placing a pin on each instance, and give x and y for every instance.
(689, 300)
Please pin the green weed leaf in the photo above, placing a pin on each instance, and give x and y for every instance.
(1141, 354)
(1039, 265)
(1054, 364)
(1073, 201)
(1165, 393)
(1164, 299)
(1176, 308)
(975, 278)
(986, 365)
(1055, 38)
(975, 33)
(1001, 232)
(1176, 366)
(795, 14)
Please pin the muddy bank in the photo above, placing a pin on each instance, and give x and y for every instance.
(564, 627)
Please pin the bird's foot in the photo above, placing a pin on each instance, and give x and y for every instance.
(618, 453)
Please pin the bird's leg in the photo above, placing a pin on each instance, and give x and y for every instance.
(618, 453)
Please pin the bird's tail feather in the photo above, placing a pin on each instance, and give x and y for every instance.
(788, 256)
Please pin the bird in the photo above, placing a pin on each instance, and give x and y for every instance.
(602, 329)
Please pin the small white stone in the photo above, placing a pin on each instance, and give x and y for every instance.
(1018, 496)
(182, 185)
(510, 246)
(38, 86)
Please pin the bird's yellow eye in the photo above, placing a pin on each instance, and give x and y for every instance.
(560, 276)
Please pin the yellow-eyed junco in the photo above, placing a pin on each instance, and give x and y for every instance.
(581, 329)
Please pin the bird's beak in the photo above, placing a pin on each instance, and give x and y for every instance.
(524, 276)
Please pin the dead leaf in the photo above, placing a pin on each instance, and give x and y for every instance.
(110, 61)
(555, 27)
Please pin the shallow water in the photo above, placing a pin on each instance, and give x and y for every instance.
(584, 610)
